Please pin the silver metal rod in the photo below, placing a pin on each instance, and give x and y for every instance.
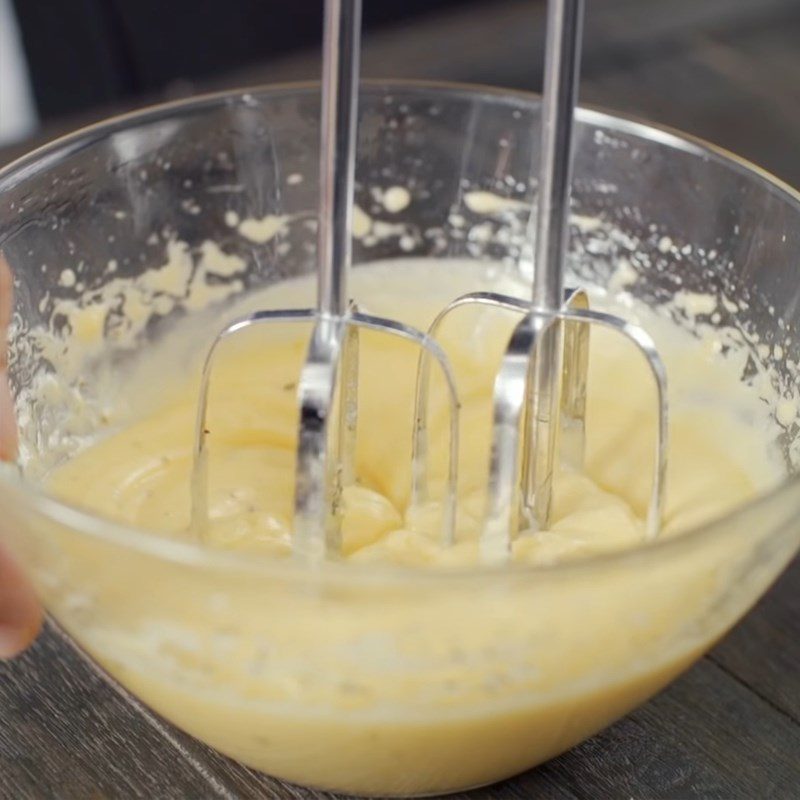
(509, 406)
(561, 79)
(318, 478)
(341, 51)
(199, 475)
(326, 442)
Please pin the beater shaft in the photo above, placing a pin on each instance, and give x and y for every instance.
(341, 56)
(325, 452)
(561, 78)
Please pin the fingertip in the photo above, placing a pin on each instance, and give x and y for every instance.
(16, 638)
(6, 293)
(20, 612)
(9, 441)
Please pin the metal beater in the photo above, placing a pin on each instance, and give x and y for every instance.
(540, 390)
(328, 385)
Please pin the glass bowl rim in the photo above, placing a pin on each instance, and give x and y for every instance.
(190, 554)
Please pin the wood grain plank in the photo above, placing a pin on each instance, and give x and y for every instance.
(763, 651)
(705, 737)
(67, 734)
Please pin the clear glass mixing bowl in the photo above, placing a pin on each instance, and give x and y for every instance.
(365, 679)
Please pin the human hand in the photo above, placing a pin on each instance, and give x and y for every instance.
(20, 613)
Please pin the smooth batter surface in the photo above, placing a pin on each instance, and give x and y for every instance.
(386, 689)
(140, 474)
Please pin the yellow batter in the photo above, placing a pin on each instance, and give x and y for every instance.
(385, 687)
(140, 474)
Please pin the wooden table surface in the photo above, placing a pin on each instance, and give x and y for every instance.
(727, 70)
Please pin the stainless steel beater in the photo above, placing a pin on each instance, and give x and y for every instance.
(540, 390)
(328, 385)
(539, 412)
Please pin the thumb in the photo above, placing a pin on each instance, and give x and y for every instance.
(20, 613)
(8, 425)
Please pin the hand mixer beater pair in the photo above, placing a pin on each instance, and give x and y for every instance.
(539, 402)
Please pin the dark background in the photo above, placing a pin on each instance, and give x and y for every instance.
(726, 70)
(87, 53)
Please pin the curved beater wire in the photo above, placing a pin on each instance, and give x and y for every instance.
(327, 390)
(540, 390)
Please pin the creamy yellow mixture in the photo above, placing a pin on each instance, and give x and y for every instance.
(338, 701)
(140, 474)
